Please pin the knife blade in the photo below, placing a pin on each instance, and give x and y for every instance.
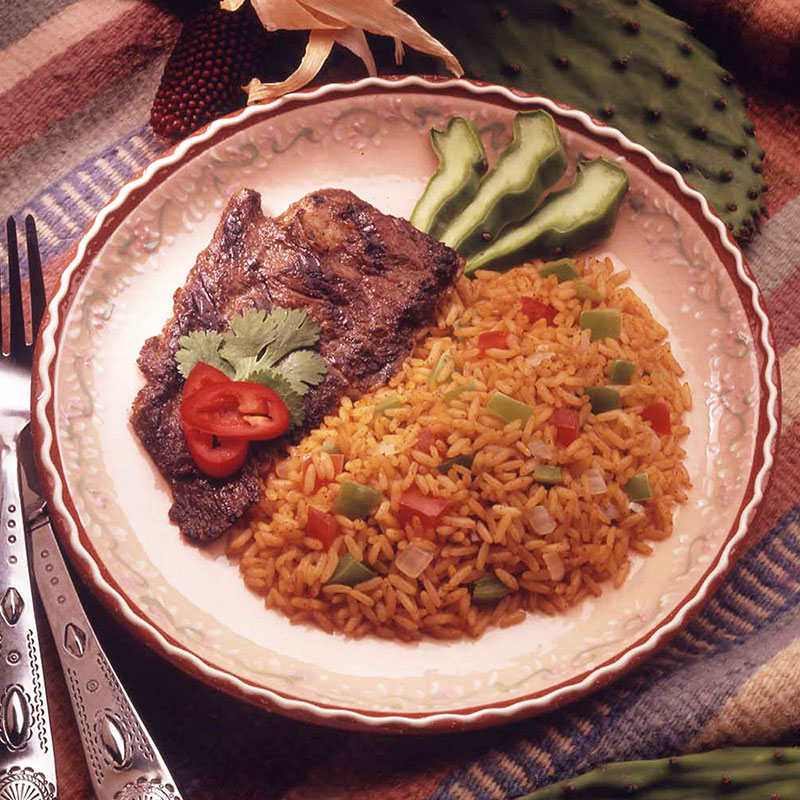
(124, 762)
(33, 502)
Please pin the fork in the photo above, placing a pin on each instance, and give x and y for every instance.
(27, 765)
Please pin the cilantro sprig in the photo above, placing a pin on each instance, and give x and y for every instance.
(273, 349)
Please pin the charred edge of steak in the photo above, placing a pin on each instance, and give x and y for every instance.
(371, 280)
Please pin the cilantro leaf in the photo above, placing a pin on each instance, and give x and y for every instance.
(248, 335)
(243, 368)
(278, 383)
(303, 368)
(200, 346)
(290, 329)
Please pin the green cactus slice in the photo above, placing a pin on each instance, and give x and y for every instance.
(462, 163)
(744, 773)
(566, 222)
(630, 65)
(533, 161)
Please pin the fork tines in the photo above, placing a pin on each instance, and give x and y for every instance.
(15, 342)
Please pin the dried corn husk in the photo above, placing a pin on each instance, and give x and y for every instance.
(341, 22)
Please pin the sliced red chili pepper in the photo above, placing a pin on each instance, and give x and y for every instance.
(657, 414)
(217, 458)
(322, 526)
(567, 424)
(493, 339)
(427, 439)
(319, 481)
(201, 376)
(429, 509)
(535, 309)
(237, 409)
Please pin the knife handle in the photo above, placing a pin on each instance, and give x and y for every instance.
(27, 765)
(123, 762)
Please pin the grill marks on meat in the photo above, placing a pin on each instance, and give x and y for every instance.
(371, 280)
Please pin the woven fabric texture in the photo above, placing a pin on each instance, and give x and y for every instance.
(77, 78)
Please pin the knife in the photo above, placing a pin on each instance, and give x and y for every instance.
(123, 761)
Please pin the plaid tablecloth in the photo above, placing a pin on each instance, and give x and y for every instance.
(76, 82)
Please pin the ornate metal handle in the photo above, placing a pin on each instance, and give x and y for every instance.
(27, 766)
(124, 764)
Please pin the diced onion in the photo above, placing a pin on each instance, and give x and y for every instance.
(611, 512)
(583, 342)
(540, 356)
(595, 480)
(540, 449)
(541, 521)
(412, 561)
(555, 566)
(637, 508)
(386, 448)
(655, 442)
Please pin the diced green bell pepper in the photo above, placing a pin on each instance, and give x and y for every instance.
(564, 270)
(461, 461)
(603, 398)
(329, 446)
(509, 409)
(585, 292)
(392, 401)
(548, 475)
(444, 360)
(604, 323)
(621, 371)
(349, 572)
(488, 590)
(638, 488)
(356, 500)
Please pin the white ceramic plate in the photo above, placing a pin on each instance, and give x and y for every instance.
(111, 505)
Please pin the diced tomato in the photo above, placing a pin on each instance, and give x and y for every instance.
(236, 409)
(427, 439)
(657, 414)
(429, 509)
(322, 526)
(535, 309)
(215, 457)
(338, 466)
(567, 424)
(493, 339)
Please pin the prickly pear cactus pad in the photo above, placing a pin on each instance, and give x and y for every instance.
(627, 63)
(747, 773)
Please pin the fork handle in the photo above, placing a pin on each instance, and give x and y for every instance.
(27, 765)
(124, 764)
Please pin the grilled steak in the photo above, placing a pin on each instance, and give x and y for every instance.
(371, 280)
